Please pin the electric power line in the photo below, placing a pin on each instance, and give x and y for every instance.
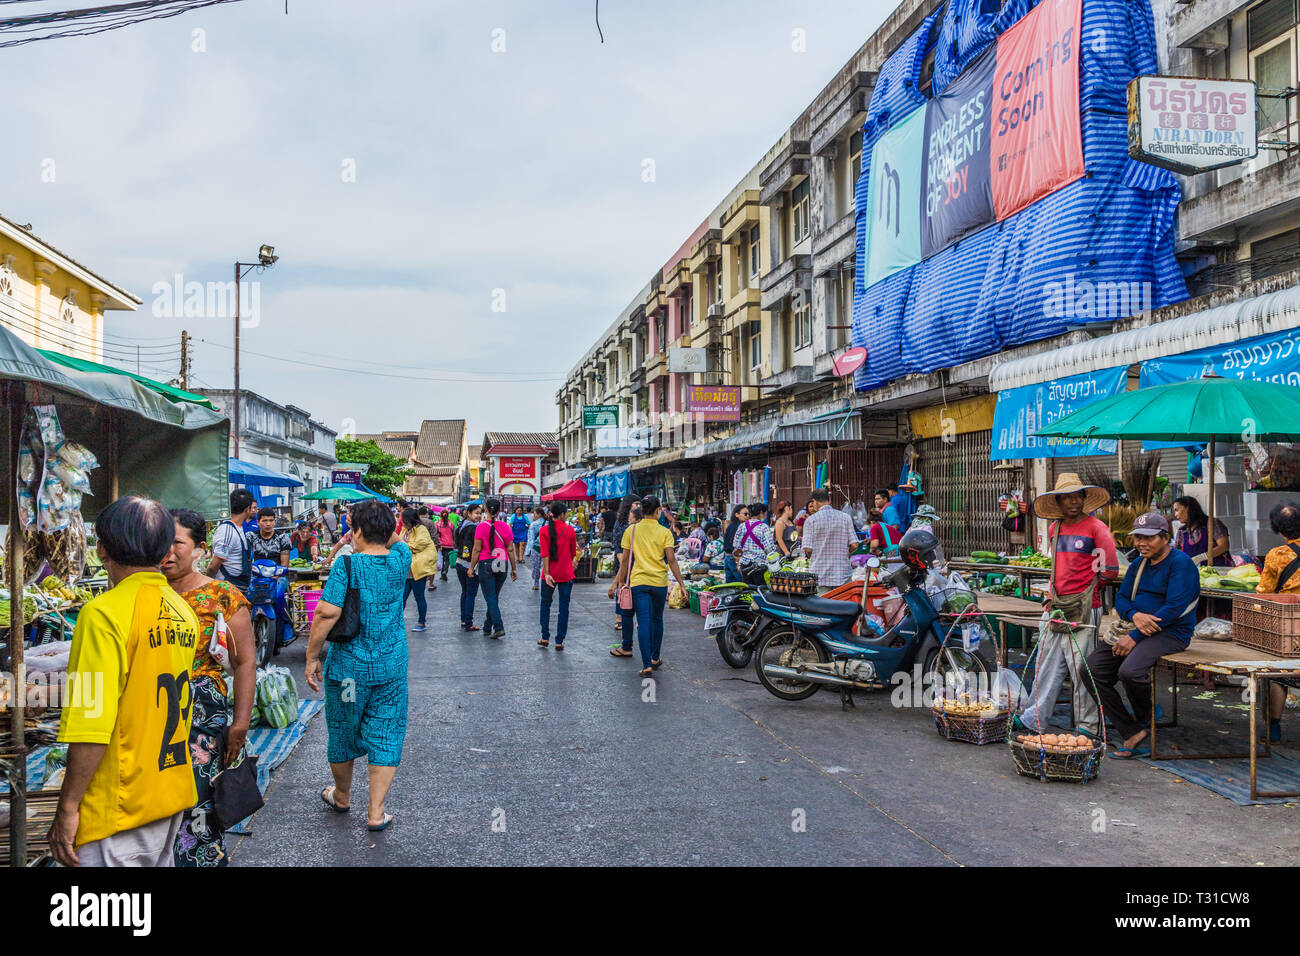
(91, 20)
(384, 374)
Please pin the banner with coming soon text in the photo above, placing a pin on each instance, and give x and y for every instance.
(1003, 135)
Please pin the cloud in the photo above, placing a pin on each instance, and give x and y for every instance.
(474, 171)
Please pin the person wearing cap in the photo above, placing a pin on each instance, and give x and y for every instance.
(925, 517)
(1159, 596)
(1083, 553)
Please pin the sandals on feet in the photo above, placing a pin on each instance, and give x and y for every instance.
(376, 827)
(619, 652)
(543, 643)
(646, 671)
(328, 796)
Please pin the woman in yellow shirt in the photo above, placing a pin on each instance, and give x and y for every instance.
(424, 562)
(648, 554)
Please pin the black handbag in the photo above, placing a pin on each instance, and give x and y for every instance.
(235, 795)
(349, 623)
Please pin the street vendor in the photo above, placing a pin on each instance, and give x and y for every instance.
(266, 544)
(306, 546)
(1159, 596)
(1083, 554)
(1281, 575)
(1192, 538)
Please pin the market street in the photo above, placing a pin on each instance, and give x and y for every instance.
(713, 772)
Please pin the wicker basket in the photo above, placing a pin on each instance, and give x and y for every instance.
(1267, 622)
(796, 583)
(972, 728)
(1080, 766)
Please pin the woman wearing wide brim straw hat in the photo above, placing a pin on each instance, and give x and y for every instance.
(1077, 540)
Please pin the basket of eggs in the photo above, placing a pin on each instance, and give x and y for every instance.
(971, 719)
(1074, 758)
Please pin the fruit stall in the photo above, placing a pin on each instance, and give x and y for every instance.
(76, 439)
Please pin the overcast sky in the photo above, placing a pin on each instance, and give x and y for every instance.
(475, 171)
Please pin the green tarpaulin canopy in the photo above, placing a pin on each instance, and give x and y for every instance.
(173, 450)
(338, 493)
(85, 365)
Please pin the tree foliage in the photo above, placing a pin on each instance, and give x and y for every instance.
(385, 475)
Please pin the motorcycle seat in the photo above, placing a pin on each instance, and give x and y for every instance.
(813, 605)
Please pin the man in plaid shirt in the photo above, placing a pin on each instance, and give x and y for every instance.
(829, 537)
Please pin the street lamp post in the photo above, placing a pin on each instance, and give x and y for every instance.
(266, 258)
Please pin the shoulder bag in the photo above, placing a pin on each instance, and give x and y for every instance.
(235, 794)
(625, 592)
(497, 565)
(349, 623)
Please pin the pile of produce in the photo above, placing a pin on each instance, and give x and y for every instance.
(277, 697)
(1058, 743)
(50, 595)
(966, 705)
(1032, 558)
(987, 557)
(1006, 584)
(1244, 577)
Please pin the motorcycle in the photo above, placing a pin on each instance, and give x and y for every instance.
(272, 624)
(807, 643)
(732, 621)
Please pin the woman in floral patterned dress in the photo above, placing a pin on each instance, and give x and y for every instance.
(217, 729)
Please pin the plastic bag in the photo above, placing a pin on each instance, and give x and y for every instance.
(1213, 629)
(73, 478)
(78, 456)
(1008, 691)
(677, 597)
(277, 697)
(219, 644)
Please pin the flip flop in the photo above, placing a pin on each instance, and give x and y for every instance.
(559, 645)
(328, 796)
(543, 643)
(376, 827)
(619, 652)
(1129, 753)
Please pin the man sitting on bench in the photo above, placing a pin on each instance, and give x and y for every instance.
(1159, 596)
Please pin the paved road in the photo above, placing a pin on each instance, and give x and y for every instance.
(518, 755)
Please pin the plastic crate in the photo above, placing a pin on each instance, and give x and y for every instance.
(695, 600)
(1267, 622)
(797, 583)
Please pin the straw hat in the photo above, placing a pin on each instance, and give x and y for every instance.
(1046, 506)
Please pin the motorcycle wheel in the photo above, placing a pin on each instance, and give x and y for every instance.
(785, 647)
(967, 670)
(264, 639)
(736, 654)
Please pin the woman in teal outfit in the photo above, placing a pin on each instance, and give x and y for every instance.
(365, 678)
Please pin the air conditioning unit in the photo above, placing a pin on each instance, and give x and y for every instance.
(716, 310)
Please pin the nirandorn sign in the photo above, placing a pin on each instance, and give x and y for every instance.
(1190, 125)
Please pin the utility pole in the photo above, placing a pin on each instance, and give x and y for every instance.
(266, 258)
(185, 361)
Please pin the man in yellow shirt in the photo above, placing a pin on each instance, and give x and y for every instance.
(649, 550)
(127, 716)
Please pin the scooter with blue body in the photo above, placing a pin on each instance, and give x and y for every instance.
(807, 643)
(268, 589)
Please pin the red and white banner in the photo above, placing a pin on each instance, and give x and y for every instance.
(517, 468)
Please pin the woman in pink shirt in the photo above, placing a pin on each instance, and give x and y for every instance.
(558, 543)
(493, 556)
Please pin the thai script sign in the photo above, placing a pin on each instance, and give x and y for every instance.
(1189, 125)
(1020, 412)
(714, 403)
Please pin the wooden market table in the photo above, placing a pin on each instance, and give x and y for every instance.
(1230, 659)
(1009, 610)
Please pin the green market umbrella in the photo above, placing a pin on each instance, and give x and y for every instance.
(1202, 409)
(337, 493)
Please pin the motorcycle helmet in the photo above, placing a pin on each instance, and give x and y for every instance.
(920, 549)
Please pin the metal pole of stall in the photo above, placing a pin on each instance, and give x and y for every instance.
(16, 395)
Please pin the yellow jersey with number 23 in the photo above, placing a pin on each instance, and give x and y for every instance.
(129, 688)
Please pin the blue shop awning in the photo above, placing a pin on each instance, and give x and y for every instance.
(247, 473)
